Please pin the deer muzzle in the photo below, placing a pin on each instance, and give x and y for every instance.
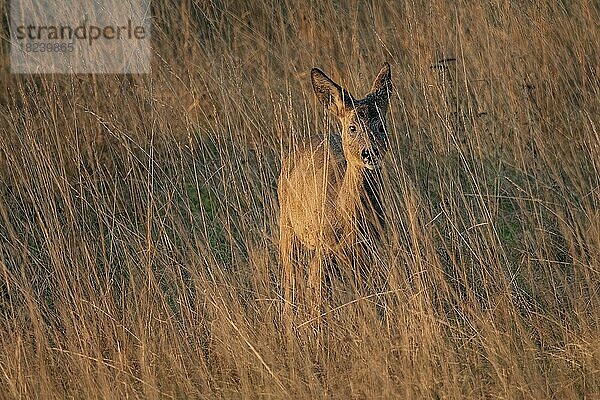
(370, 157)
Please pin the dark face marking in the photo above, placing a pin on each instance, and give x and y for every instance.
(364, 136)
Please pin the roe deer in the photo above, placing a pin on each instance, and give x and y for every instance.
(330, 190)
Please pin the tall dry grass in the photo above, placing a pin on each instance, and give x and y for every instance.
(138, 214)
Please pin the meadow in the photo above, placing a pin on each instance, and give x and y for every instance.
(139, 213)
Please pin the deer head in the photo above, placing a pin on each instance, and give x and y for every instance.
(364, 132)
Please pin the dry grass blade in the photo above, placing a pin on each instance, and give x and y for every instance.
(140, 219)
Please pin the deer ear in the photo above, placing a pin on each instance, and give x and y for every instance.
(382, 88)
(333, 97)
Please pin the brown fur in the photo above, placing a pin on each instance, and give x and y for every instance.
(329, 190)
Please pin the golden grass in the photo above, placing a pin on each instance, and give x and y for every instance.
(138, 214)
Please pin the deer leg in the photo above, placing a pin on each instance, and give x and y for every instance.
(315, 281)
(371, 276)
(332, 273)
(286, 253)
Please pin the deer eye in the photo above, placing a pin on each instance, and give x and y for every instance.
(352, 128)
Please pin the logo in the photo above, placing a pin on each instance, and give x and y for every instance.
(84, 36)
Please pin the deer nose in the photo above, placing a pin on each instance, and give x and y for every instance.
(370, 156)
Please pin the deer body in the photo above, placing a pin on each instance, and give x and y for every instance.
(326, 202)
(329, 190)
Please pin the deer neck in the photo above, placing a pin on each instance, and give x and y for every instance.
(351, 193)
(359, 199)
